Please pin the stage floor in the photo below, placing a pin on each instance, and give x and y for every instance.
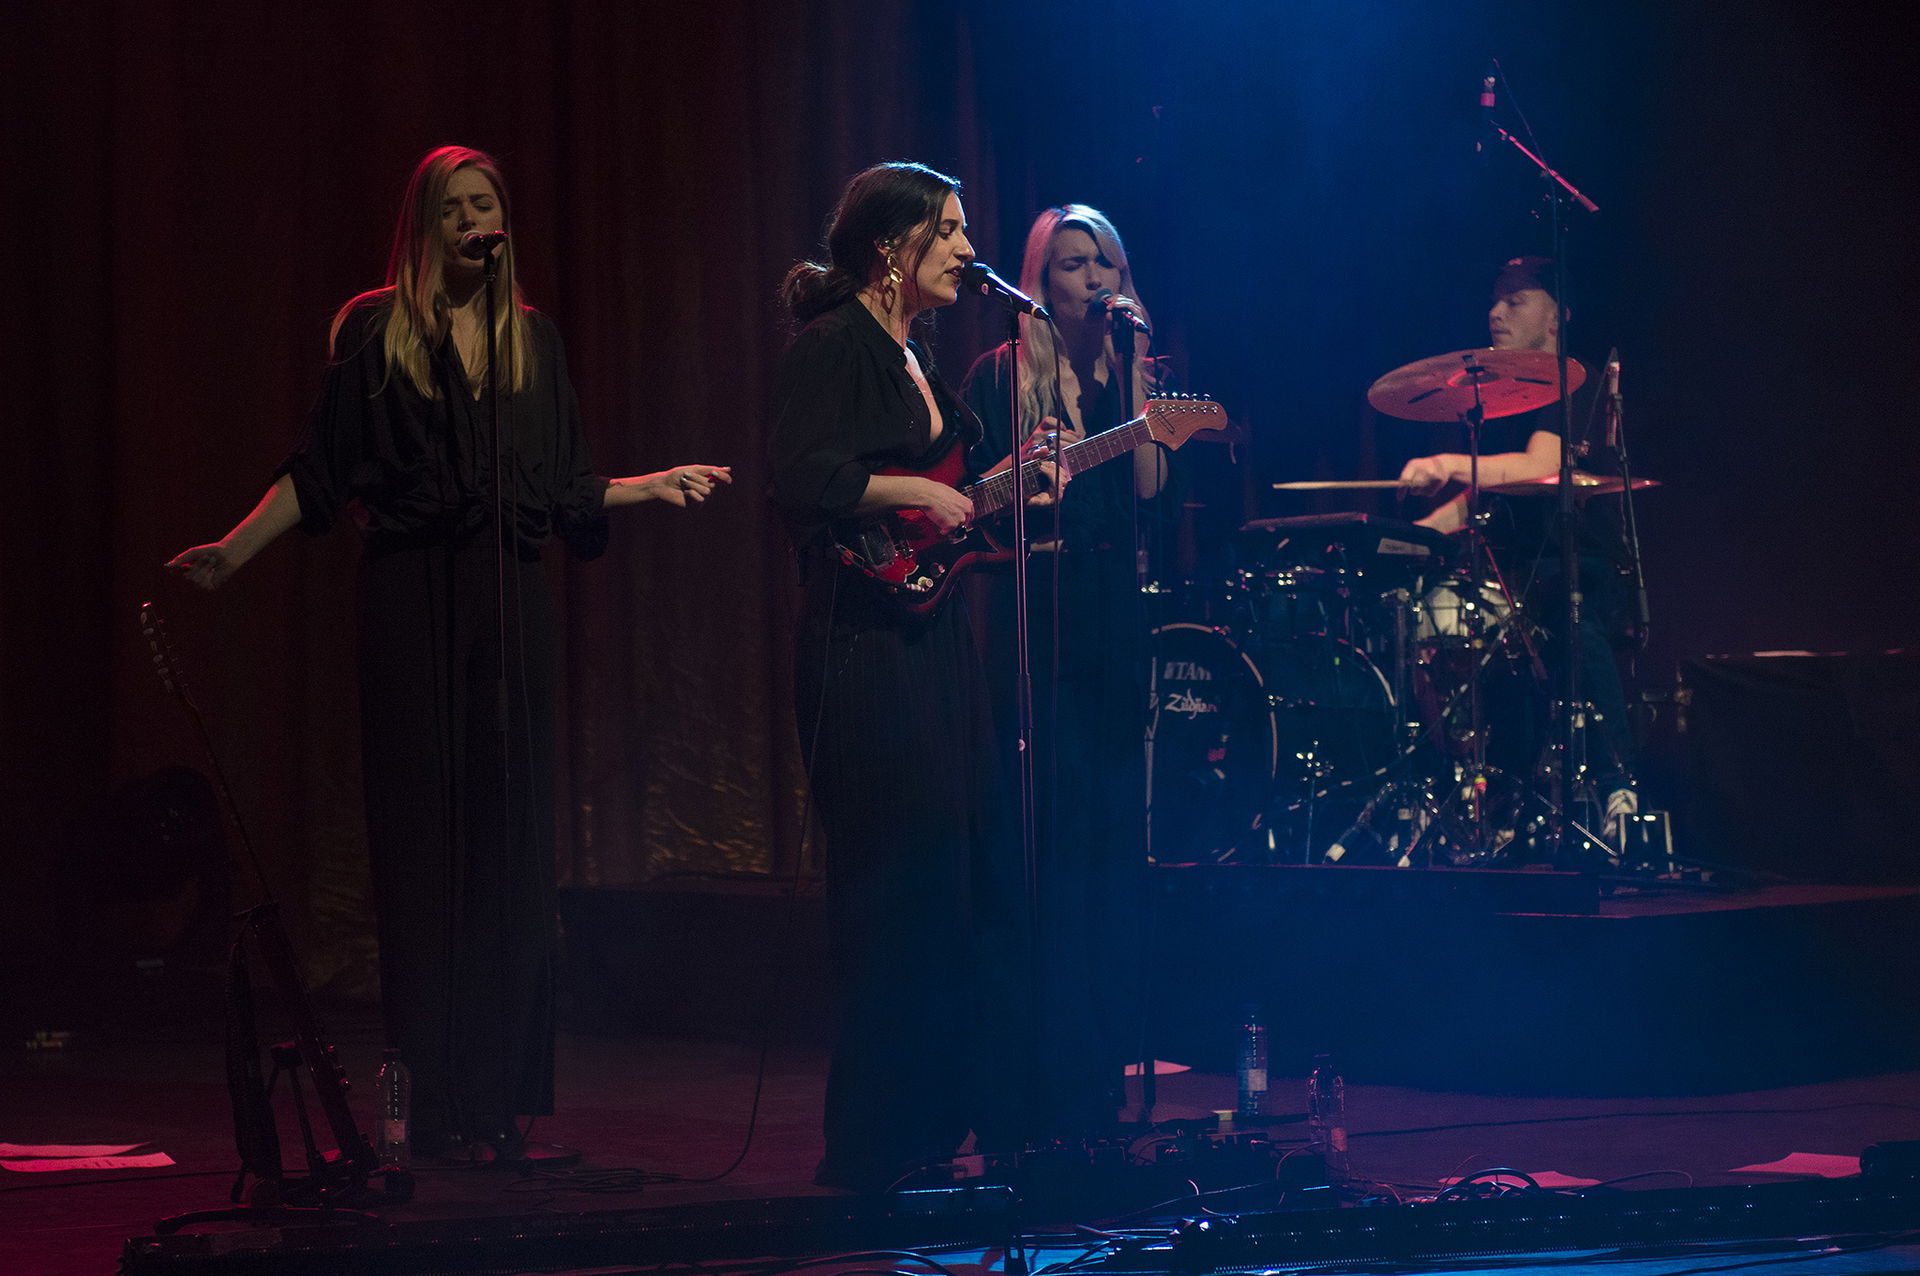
(659, 1118)
(1660, 1039)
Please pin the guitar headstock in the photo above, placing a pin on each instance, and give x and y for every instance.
(1174, 418)
(166, 662)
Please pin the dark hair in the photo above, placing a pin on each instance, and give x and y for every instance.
(881, 205)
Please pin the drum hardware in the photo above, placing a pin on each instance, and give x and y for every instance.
(1425, 822)
(1469, 386)
(1364, 541)
(1325, 573)
(1435, 611)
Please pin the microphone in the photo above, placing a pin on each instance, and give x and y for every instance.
(1114, 304)
(1613, 401)
(991, 286)
(1486, 102)
(475, 245)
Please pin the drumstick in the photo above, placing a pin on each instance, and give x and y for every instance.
(1338, 485)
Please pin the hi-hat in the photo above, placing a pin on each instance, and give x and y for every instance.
(1442, 388)
(1584, 484)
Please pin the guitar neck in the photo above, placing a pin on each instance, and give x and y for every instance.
(991, 495)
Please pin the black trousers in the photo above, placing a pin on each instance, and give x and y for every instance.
(460, 828)
(1519, 719)
(924, 893)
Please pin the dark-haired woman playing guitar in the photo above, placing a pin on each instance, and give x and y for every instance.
(923, 870)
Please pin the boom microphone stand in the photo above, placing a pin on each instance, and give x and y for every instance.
(1565, 705)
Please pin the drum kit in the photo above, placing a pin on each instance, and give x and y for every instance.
(1323, 702)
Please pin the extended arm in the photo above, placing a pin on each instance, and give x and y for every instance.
(210, 566)
(681, 485)
(1432, 473)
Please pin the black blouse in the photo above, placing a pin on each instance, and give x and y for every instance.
(419, 471)
(844, 408)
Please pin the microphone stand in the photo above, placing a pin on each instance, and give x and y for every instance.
(500, 713)
(1123, 359)
(1629, 523)
(1564, 779)
(1024, 799)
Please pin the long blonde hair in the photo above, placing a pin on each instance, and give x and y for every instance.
(418, 312)
(1039, 351)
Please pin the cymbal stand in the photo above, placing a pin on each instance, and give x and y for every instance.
(1474, 784)
(1463, 782)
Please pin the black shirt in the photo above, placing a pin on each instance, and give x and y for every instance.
(419, 470)
(844, 408)
(1524, 526)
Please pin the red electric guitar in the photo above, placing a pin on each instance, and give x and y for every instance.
(917, 564)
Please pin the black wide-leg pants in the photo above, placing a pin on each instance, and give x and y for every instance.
(924, 886)
(460, 828)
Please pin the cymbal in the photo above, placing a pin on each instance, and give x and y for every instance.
(1442, 388)
(1584, 485)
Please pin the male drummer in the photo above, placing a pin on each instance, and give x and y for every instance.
(1526, 316)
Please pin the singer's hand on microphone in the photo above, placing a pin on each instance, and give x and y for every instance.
(1120, 309)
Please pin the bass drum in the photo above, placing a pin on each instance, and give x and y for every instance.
(1212, 745)
(1260, 754)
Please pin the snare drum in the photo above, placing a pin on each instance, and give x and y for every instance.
(1454, 610)
(1464, 639)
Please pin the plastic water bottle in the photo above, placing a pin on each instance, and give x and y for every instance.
(1327, 1116)
(394, 1087)
(1252, 1072)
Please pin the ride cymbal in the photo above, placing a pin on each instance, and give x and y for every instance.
(1442, 388)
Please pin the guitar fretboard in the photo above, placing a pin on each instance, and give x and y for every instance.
(991, 495)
